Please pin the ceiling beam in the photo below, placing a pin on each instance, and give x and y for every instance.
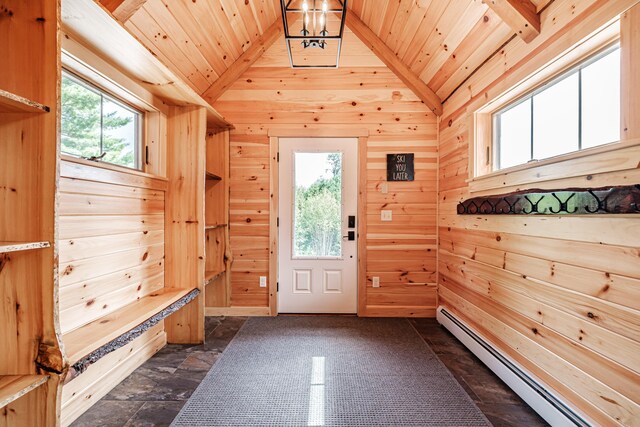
(122, 9)
(520, 15)
(244, 61)
(386, 55)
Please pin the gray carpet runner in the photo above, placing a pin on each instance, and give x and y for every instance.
(329, 371)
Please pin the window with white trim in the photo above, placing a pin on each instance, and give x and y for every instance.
(97, 126)
(578, 109)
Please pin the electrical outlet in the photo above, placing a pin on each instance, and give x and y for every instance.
(386, 215)
(376, 282)
(263, 281)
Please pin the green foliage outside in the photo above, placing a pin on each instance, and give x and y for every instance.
(82, 127)
(318, 213)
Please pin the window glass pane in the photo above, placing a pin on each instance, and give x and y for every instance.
(80, 116)
(555, 119)
(601, 101)
(514, 144)
(318, 205)
(119, 134)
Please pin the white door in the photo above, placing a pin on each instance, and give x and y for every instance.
(317, 260)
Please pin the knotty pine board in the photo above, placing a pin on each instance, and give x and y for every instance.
(111, 247)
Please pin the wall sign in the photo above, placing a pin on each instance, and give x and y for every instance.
(400, 167)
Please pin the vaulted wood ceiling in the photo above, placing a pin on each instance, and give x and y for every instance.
(440, 41)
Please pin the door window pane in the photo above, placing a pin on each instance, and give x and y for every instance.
(515, 135)
(601, 101)
(317, 228)
(555, 119)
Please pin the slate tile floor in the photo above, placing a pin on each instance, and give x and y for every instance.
(155, 392)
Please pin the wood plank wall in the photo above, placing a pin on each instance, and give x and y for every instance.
(560, 295)
(111, 241)
(363, 94)
(184, 219)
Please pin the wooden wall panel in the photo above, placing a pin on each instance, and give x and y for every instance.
(184, 219)
(362, 94)
(111, 246)
(249, 218)
(560, 294)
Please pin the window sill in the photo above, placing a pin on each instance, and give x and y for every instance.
(105, 172)
(612, 157)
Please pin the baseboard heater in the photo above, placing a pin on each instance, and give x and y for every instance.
(547, 404)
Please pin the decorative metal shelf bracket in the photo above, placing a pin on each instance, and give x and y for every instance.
(570, 201)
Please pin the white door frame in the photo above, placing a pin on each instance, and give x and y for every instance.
(274, 147)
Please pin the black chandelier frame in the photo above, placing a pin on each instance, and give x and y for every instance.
(313, 41)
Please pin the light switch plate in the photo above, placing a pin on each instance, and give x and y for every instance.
(386, 215)
(263, 281)
(384, 188)
(376, 282)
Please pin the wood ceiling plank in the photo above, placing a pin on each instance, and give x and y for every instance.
(454, 38)
(521, 15)
(163, 14)
(444, 26)
(402, 16)
(412, 26)
(425, 29)
(495, 39)
(242, 64)
(259, 15)
(391, 60)
(377, 15)
(243, 10)
(205, 33)
(481, 31)
(146, 29)
(273, 10)
(231, 15)
(357, 6)
(389, 17)
(226, 31)
(367, 10)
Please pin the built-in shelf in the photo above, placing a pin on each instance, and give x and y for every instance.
(214, 226)
(210, 276)
(12, 103)
(92, 336)
(21, 246)
(13, 387)
(213, 177)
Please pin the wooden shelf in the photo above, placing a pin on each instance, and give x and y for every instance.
(84, 340)
(210, 276)
(21, 246)
(214, 226)
(11, 103)
(213, 177)
(13, 387)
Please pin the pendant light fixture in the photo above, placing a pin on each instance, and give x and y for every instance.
(313, 31)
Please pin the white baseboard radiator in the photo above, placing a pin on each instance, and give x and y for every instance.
(548, 405)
